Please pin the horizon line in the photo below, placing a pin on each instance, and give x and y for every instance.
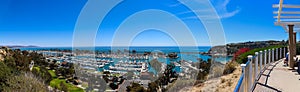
(126, 46)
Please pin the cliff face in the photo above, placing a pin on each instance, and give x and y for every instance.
(218, 51)
(2, 54)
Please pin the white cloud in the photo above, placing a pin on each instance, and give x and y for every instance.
(197, 17)
(229, 14)
(204, 10)
(225, 3)
(174, 5)
(223, 11)
(220, 7)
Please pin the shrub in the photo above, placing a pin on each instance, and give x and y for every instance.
(222, 80)
(205, 66)
(135, 87)
(5, 73)
(229, 83)
(239, 52)
(229, 67)
(298, 49)
(113, 86)
(243, 57)
(25, 82)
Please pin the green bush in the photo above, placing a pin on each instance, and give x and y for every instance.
(244, 57)
(298, 49)
(5, 73)
(135, 87)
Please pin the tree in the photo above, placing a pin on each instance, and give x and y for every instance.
(63, 87)
(25, 52)
(135, 87)
(204, 67)
(152, 87)
(42, 73)
(17, 60)
(52, 65)
(173, 55)
(25, 82)
(35, 71)
(133, 51)
(10, 61)
(38, 59)
(71, 69)
(5, 73)
(60, 71)
(113, 86)
(54, 61)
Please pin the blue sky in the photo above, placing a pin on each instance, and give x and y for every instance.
(51, 22)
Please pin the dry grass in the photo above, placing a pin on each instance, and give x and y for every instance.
(225, 83)
(230, 81)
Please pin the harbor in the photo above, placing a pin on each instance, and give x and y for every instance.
(140, 66)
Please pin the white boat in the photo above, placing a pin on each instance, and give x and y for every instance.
(100, 66)
(177, 64)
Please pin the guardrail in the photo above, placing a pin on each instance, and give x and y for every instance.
(255, 66)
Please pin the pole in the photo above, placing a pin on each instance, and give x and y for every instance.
(291, 46)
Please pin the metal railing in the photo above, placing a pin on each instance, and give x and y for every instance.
(255, 66)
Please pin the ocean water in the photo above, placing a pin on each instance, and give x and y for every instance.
(141, 49)
(187, 53)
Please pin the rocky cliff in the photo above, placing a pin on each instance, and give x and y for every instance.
(2, 53)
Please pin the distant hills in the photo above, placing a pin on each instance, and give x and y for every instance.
(231, 48)
(20, 46)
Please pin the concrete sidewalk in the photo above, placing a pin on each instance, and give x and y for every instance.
(278, 78)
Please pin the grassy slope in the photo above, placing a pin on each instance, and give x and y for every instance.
(56, 83)
(52, 73)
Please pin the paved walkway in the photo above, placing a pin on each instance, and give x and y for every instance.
(278, 78)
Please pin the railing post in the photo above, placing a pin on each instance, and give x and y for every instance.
(269, 53)
(265, 61)
(250, 59)
(284, 52)
(280, 53)
(244, 84)
(273, 55)
(256, 66)
(247, 77)
(276, 53)
(260, 60)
